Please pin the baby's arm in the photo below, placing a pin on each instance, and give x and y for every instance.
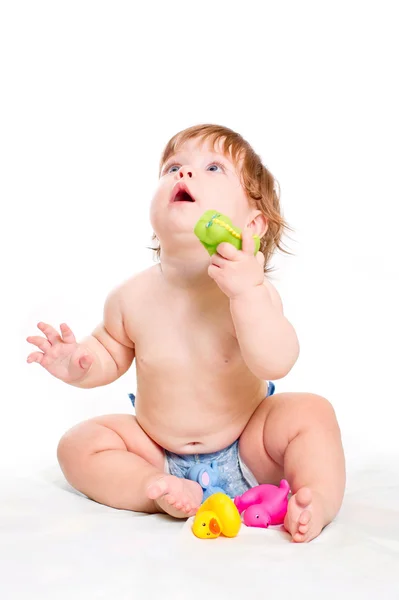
(109, 343)
(98, 360)
(268, 342)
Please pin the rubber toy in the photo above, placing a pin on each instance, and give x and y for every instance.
(207, 477)
(217, 515)
(264, 505)
(213, 228)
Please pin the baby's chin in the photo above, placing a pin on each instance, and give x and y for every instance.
(177, 224)
(189, 248)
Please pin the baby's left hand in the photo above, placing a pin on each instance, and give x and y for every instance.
(237, 271)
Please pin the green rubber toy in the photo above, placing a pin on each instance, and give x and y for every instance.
(213, 228)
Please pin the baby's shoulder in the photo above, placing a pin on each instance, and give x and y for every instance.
(123, 300)
(136, 286)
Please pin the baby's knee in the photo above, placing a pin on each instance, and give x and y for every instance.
(295, 413)
(72, 447)
(81, 442)
(317, 411)
(319, 406)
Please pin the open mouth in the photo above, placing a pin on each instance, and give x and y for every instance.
(183, 197)
(181, 194)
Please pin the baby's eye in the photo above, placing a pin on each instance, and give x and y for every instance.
(212, 169)
(173, 167)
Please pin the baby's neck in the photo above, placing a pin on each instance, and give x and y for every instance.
(190, 277)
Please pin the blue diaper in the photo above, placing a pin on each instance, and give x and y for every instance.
(223, 470)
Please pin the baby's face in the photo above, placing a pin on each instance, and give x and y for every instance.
(210, 178)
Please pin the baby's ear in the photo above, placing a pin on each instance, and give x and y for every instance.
(258, 224)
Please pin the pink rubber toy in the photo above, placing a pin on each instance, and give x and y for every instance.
(264, 505)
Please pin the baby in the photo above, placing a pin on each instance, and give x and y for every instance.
(208, 335)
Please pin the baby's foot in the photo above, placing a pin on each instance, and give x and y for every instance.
(305, 515)
(176, 496)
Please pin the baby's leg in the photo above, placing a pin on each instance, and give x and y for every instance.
(296, 436)
(112, 460)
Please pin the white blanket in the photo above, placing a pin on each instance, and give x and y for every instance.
(55, 543)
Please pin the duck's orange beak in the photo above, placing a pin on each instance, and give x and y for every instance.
(214, 527)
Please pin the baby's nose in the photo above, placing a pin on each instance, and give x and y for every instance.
(185, 171)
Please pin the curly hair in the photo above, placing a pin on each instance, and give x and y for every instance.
(257, 181)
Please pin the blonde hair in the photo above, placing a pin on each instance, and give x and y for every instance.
(258, 183)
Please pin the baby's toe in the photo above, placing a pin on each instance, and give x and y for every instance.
(303, 529)
(298, 537)
(303, 496)
(170, 499)
(154, 491)
(304, 518)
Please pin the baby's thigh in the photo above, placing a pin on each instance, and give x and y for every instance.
(107, 432)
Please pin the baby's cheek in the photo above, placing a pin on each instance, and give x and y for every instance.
(159, 193)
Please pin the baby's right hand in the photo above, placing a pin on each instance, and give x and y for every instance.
(62, 356)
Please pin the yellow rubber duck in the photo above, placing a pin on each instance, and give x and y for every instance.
(218, 514)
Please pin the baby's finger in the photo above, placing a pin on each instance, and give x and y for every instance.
(228, 251)
(35, 357)
(248, 242)
(214, 271)
(67, 334)
(40, 342)
(217, 260)
(51, 334)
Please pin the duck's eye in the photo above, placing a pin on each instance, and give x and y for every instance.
(256, 516)
(203, 524)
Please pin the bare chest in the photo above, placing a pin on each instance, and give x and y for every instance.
(168, 339)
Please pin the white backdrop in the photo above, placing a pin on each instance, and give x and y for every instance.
(92, 91)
